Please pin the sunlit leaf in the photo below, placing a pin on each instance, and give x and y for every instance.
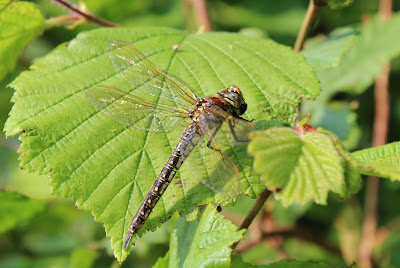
(298, 168)
(382, 161)
(203, 243)
(20, 22)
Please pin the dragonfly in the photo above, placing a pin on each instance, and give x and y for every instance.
(211, 122)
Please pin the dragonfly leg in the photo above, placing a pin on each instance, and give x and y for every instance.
(212, 138)
(231, 126)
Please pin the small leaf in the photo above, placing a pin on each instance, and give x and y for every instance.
(203, 243)
(162, 262)
(377, 44)
(339, 4)
(83, 258)
(16, 209)
(20, 23)
(329, 52)
(298, 168)
(109, 168)
(382, 161)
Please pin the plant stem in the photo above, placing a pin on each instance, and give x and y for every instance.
(86, 15)
(62, 20)
(297, 232)
(253, 212)
(380, 131)
(202, 17)
(311, 14)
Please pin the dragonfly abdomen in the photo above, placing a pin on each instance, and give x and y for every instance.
(188, 140)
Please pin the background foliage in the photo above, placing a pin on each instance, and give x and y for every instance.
(43, 230)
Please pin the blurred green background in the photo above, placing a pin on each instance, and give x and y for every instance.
(54, 233)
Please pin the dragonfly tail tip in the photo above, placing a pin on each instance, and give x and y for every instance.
(127, 241)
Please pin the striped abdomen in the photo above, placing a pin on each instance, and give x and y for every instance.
(188, 140)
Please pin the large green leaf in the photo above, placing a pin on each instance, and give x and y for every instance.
(382, 161)
(378, 43)
(109, 168)
(203, 243)
(20, 22)
(299, 168)
(16, 209)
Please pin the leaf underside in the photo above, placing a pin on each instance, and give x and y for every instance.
(109, 168)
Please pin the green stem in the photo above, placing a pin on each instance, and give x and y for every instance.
(62, 20)
(88, 16)
(312, 11)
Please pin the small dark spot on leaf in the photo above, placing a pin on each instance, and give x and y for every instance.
(277, 190)
(30, 130)
(23, 131)
(219, 208)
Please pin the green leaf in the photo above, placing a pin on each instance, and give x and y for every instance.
(329, 52)
(16, 209)
(82, 258)
(162, 261)
(377, 44)
(203, 243)
(337, 117)
(382, 161)
(339, 4)
(298, 168)
(20, 22)
(109, 168)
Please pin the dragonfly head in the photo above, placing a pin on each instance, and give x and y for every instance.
(234, 97)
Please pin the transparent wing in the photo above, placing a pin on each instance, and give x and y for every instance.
(214, 169)
(142, 74)
(131, 110)
(221, 128)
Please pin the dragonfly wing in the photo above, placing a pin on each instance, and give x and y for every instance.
(131, 110)
(142, 74)
(221, 128)
(214, 169)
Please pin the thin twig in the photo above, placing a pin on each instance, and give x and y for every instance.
(297, 232)
(254, 211)
(202, 18)
(87, 15)
(380, 131)
(312, 11)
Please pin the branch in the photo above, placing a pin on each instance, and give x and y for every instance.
(202, 17)
(313, 7)
(380, 131)
(297, 232)
(253, 212)
(88, 16)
